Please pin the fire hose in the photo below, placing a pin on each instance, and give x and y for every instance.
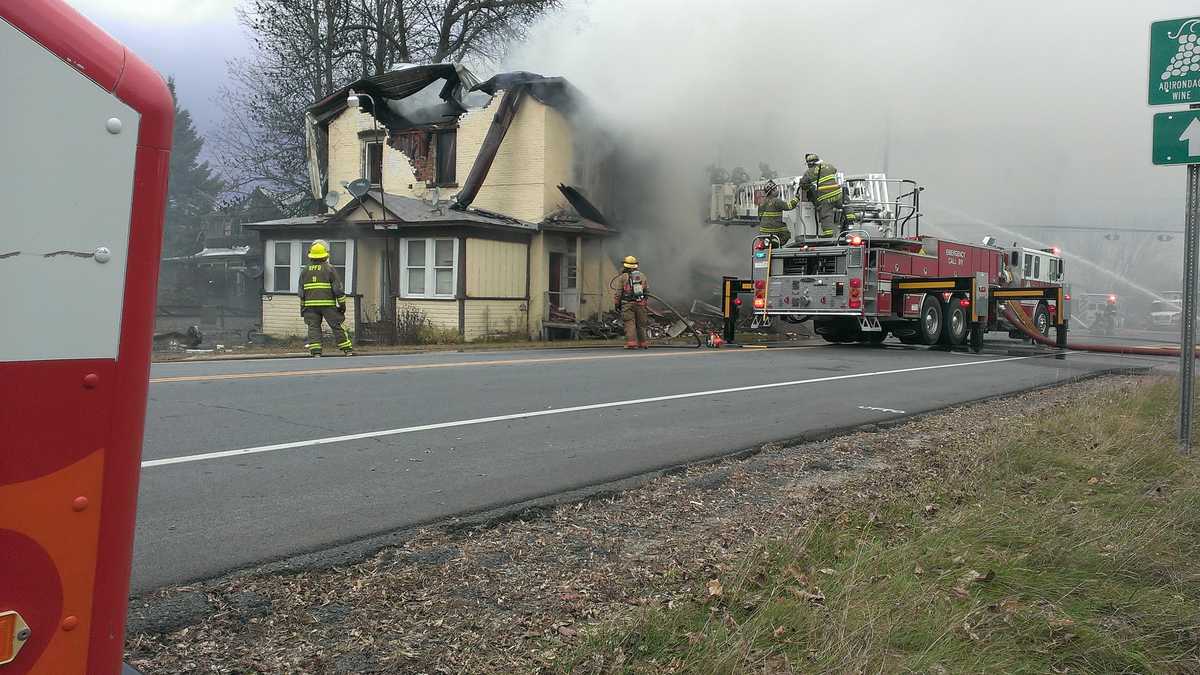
(1015, 314)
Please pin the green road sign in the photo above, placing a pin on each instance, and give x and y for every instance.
(1177, 137)
(1175, 61)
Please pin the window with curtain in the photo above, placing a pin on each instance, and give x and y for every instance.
(291, 255)
(430, 268)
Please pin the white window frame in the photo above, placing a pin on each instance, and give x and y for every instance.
(430, 269)
(298, 258)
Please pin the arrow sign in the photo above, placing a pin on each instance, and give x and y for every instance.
(1177, 138)
(1192, 136)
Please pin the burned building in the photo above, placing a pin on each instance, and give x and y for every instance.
(472, 203)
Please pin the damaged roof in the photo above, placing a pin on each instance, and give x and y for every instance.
(399, 84)
(407, 210)
(556, 92)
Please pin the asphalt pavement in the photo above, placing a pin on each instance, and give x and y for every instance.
(250, 461)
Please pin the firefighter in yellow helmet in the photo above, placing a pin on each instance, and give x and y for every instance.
(322, 296)
(770, 214)
(631, 300)
(821, 185)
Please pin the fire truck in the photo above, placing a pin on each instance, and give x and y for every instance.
(883, 276)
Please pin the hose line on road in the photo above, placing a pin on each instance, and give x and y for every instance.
(1015, 314)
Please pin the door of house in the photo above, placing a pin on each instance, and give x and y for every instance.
(562, 283)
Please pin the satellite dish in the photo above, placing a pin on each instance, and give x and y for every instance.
(359, 187)
(331, 198)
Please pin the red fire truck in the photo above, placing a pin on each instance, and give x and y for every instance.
(884, 277)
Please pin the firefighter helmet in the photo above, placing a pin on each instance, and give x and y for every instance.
(812, 159)
(770, 188)
(630, 262)
(318, 251)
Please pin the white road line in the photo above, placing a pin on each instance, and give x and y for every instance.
(553, 411)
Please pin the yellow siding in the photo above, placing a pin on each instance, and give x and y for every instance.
(495, 318)
(539, 274)
(516, 183)
(440, 313)
(559, 155)
(367, 266)
(281, 316)
(495, 269)
(594, 274)
(345, 158)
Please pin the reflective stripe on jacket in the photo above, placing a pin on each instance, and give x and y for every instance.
(320, 286)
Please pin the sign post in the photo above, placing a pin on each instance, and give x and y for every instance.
(1175, 79)
(1187, 360)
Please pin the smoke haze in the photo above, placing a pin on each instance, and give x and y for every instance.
(1013, 115)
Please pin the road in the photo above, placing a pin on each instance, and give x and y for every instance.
(249, 461)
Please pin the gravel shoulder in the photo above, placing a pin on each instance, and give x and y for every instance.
(517, 595)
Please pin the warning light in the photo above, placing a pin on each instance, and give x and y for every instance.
(855, 303)
(964, 303)
(1067, 296)
(760, 284)
(1112, 299)
(760, 303)
(1055, 250)
(856, 240)
(759, 244)
(855, 282)
(737, 301)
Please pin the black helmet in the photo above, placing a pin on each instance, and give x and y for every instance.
(811, 159)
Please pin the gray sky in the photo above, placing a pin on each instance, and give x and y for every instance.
(189, 39)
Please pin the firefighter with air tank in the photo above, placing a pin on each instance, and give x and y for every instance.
(820, 183)
(770, 215)
(322, 297)
(631, 301)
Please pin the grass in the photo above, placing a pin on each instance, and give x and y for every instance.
(1069, 543)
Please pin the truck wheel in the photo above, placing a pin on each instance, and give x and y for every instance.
(931, 320)
(1041, 319)
(954, 332)
(875, 338)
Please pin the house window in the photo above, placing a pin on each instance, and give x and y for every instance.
(572, 271)
(372, 161)
(282, 267)
(290, 256)
(337, 256)
(430, 268)
(447, 157)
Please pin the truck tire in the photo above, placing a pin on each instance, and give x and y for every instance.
(1041, 319)
(874, 338)
(954, 331)
(930, 321)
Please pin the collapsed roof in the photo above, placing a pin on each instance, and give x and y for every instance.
(393, 102)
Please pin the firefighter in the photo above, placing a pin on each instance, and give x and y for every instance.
(770, 214)
(821, 186)
(631, 300)
(323, 297)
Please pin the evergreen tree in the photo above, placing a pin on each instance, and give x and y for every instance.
(194, 190)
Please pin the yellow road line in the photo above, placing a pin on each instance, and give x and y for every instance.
(458, 364)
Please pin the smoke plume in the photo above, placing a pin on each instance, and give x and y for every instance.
(1026, 116)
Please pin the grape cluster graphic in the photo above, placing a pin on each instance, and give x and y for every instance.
(1187, 58)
